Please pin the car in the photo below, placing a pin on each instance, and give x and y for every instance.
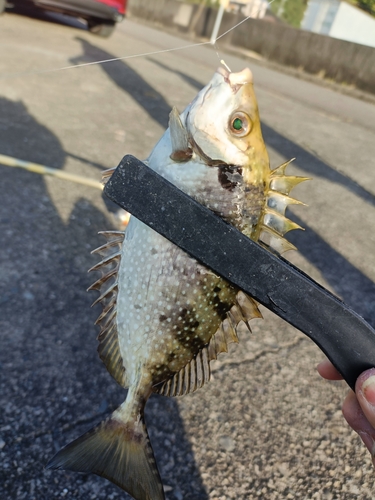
(101, 15)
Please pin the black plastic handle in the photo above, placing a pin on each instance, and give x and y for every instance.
(346, 339)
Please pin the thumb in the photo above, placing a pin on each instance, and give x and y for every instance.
(359, 409)
(365, 391)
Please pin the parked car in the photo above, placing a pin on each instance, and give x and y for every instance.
(101, 15)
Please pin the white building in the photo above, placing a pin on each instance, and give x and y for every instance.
(339, 19)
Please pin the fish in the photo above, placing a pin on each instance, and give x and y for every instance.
(165, 316)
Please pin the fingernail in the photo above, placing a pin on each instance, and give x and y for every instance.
(368, 390)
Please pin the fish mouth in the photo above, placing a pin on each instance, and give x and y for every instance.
(236, 80)
(223, 72)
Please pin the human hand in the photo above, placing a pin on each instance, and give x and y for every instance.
(359, 406)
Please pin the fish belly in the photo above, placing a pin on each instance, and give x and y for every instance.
(168, 306)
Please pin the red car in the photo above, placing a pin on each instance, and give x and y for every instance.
(101, 15)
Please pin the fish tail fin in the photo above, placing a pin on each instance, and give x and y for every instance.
(119, 451)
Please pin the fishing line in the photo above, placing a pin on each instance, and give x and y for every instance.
(123, 58)
(226, 32)
(103, 61)
(44, 170)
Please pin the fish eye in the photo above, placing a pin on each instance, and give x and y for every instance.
(239, 124)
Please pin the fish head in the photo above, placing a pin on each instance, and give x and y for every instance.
(214, 151)
(223, 124)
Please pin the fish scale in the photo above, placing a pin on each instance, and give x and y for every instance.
(165, 316)
(179, 302)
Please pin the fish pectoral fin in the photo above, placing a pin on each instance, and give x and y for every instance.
(181, 150)
(118, 451)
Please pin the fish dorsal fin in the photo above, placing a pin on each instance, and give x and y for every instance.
(274, 225)
(181, 150)
(197, 372)
(107, 286)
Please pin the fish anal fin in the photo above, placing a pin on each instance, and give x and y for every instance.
(193, 377)
(197, 372)
(248, 306)
(190, 378)
(230, 325)
(118, 451)
(219, 339)
(181, 150)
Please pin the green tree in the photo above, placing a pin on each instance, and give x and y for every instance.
(291, 11)
(367, 5)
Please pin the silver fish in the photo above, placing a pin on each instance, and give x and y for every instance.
(165, 316)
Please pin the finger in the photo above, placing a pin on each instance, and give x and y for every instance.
(357, 420)
(328, 371)
(365, 390)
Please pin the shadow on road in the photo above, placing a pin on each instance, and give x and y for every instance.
(355, 288)
(23, 137)
(52, 384)
(311, 164)
(188, 79)
(128, 80)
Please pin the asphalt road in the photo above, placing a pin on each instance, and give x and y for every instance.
(266, 426)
